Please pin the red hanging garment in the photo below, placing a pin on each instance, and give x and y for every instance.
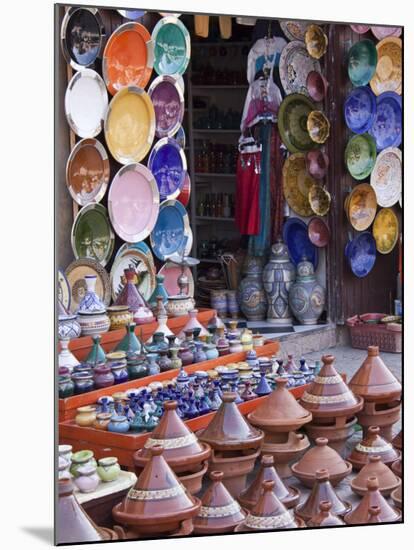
(247, 211)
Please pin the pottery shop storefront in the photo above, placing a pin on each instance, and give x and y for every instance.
(226, 187)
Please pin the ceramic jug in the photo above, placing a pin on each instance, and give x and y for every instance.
(306, 296)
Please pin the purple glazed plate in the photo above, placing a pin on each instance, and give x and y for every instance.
(168, 100)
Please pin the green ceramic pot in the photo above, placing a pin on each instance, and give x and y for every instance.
(362, 62)
(81, 458)
(360, 156)
(108, 468)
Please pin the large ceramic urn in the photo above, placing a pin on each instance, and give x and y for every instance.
(251, 294)
(186, 456)
(278, 276)
(235, 444)
(381, 392)
(333, 406)
(306, 295)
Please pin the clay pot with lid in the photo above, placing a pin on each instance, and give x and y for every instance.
(158, 504)
(322, 490)
(373, 444)
(286, 453)
(396, 467)
(397, 442)
(324, 517)
(288, 495)
(397, 497)
(219, 512)
(387, 480)
(319, 457)
(361, 514)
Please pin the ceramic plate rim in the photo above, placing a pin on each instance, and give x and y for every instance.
(283, 130)
(368, 137)
(398, 153)
(172, 20)
(380, 213)
(179, 121)
(186, 223)
(161, 143)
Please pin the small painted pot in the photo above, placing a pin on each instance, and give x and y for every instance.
(211, 351)
(68, 327)
(117, 362)
(258, 340)
(246, 340)
(119, 316)
(232, 304)
(93, 324)
(235, 346)
(218, 301)
(65, 451)
(85, 416)
(66, 384)
(83, 382)
(186, 355)
(137, 369)
(102, 420)
(81, 458)
(108, 468)
(103, 377)
(87, 479)
(118, 424)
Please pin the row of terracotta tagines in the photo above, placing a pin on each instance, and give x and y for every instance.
(163, 501)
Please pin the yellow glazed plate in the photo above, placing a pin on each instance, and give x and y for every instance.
(388, 74)
(318, 126)
(319, 200)
(316, 41)
(297, 183)
(386, 230)
(130, 125)
(362, 206)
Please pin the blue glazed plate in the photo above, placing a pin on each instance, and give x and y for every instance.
(360, 108)
(132, 14)
(387, 126)
(168, 165)
(361, 254)
(295, 235)
(170, 234)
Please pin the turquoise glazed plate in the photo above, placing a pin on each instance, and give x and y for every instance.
(360, 156)
(362, 62)
(292, 120)
(172, 46)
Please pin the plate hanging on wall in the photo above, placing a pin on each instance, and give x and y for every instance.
(386, 230)
(318, 232)
(360, 29)
(168, 101)
(292, 122)
(142, 246)
(131, 14)
(295, 235)
(388, 74)
(92, 236)
(133, 257)
(180, 137)
(387, 126)
(386, 177)
(297, 183)
(360, 156)
(361, 206)
(184, 196)
(294, 66)
(294, 30)
(172, 46)
(168, 164)
(171, 272)
(362, 61)
(75, 273)
(170, 234)
(361, 254)
(383, 32)
(63, 289)
(360, 108)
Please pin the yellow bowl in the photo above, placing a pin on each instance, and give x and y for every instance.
(316, 41)
(362, 206)
(385, 230)
(319, 199)
(318, 126)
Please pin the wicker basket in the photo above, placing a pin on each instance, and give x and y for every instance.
(365, 334)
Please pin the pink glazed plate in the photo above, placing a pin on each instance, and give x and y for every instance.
(171, 272)
(382, 32)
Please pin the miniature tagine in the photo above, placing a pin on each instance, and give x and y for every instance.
(235, 444)
(185, 455)
(324, 517)
(219, 512)
(373, 444)
(131, 297)
(193, 323)
(387, 480)
(333, 406)
(157, 505)
(381, 392)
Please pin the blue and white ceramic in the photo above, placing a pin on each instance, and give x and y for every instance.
(132, 14)
(295, 236)
(168, 165)
(180, 137)
(170, 233)
(361, 254)
(360, 108)
(387, 126)
(91, 303)
(68, 327)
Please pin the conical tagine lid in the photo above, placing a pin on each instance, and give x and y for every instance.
(387, 480)
(129, 295)
(373, 444)
(328, 394)
(321, 456)
(373, 380)
(229, 430)
(325, 517)
(373, 497)
(397, 442)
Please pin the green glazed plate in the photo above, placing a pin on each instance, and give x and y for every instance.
(292, 120)
(362, 62)
(92, 235)
(360, 156)
(172, 46)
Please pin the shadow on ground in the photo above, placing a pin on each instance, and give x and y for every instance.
(44, 534)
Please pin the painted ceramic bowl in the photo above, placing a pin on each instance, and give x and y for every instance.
(388, 73)
(361, 206)
(317, 163)
(360, 108)
(362, 61)
(319, 200)
(361, 254)
(385, 230)
(318, 126)
(383, 32)
(318, 232)
(294, 66)
(295, 235)
(386, 177)
(316, 41)
(317, 85)
(292, 120)
(360, 29)
(387, 126)
(360, 156)
(297, 183)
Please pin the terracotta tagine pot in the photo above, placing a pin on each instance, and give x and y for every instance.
(381, 392)
(319, 457)
(322, 490)
(235, 444)
(397, 442)
(219, 512)
(373, 444)
(158, 505)
(396, 467)
(268, 513)
(324, 517)
(387, 480)
(397, 497)
(372, 497)
(288, 495)
(333, 406)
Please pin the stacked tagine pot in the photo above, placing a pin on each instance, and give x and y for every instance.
(388, 481)
(279, 416)
(158, 505)
(91, 314)
(185, 455)
(381, 392)
(373, 444)
(333, 406)
(131, 297)
(235, 444)
(324, 517)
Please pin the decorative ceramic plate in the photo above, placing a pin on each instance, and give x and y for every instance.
(295, 235)
(63, 290)
(388, 74)
(360, 155)
(360, 108)
(180, 137)
(184, 196)
(292, 122)
(168, 101)
(294, 66)
(133, 257)
(318, 126)
(169, 235)
(172, 46)
(75, 273)
(171, 272)
(297, 183)
(294, 30)
(361, 206)
(361, 254)
(360, 29)
(132, 14)
(168, 164)
(128, 57)
(316, 41)
(133, 202)
(362, 61)
(87, 171)
(86, 103)
(318, 232)
(386, 177)
(130, 125)
(317, 86)
(387, 126)
(82, 34)
(383, 32)
(319, 199)
(142, 246)
(385, 230)
(190, 238)
(92, 236)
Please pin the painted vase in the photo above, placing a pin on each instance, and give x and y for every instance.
(162, 328)
(118, 424)
(199, 355)
(103, 377)
(108, 468)
(83, 382)
(186, 355)
(91, 303)
(93, 324)
(85, 416)
(232, 304)
(306, 296)
(97, 355)
(246, 339)
(137, 368)
(117, 362)
(87, 479)
(164, 362)
(102, 420)
(251, 294)
(235, 346)
(278, 277)
(66, 357)
(159, 290)
(80, 459)
(119, 316)
(65, 383)
(211, 351)
(68, 327)
(130, 342)
(152, 365)
(218, 301)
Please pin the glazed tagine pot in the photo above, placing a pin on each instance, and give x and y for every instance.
(387, 480)
(279, 416)
(235, 444)
(288, 495)
(157, 505)
(333, 406)
(319, 457)
(381, 392)
(268, 513)
(322, 491)
(361, 514)
(185, 455)
(324, 517)
(373, 444)
(219, 512)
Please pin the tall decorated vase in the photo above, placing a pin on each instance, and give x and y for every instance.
(306, 296)
(278, 277)
(251, 293)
